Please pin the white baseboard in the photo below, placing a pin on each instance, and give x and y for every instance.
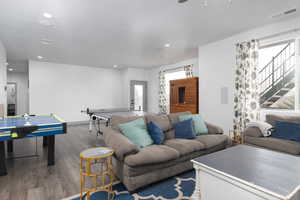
(76, 123)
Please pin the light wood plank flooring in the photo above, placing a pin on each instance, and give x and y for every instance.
(32, 179)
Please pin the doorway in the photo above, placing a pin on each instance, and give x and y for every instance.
(138, 95)
(11, 99)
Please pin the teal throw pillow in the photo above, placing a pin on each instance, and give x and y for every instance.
(200, 126)
(136, 132)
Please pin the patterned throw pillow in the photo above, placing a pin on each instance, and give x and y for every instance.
(136, 132)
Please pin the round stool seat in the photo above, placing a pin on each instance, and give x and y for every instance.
(96, 153)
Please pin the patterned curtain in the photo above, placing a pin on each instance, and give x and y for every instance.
(246, 99)
(162, 93)
(188, 71)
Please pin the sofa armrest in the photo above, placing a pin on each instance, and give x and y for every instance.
(213, 129)
(119, 143)
(253, 132)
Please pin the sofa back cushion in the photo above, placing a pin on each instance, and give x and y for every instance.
(136, 132)
(271, 118)
(161, 120)
(174, 117)
(116, 120)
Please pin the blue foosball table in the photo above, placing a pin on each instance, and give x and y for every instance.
(19, 127)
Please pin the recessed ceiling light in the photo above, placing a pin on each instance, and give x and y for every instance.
(167, 45)
(40, 57)
(115, 66)
(10, 69)
(47, 15)
(6, 64)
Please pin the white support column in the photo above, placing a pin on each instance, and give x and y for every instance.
(3, 79)
(297, 71)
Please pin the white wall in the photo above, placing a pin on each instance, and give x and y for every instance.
(21, 79)
(153, 88)
(3, 71)
(216, 69)
(67, 89)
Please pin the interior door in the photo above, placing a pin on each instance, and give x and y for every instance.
(11, 99)
(138, 95)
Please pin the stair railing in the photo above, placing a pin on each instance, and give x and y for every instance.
(277, 69)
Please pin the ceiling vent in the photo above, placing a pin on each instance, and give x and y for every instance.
(285, 13)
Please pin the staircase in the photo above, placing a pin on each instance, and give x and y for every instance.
(277, 79)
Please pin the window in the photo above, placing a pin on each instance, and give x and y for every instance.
(277, 75)
(172, 76)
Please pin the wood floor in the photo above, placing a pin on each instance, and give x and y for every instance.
(32, 179)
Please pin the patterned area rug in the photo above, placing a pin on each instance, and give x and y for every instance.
(180, 187)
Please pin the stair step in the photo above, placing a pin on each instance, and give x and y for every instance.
(285, 89)
(268, 103)
(276, 96)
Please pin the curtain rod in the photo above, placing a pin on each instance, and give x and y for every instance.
(171, 69)
(279, 34)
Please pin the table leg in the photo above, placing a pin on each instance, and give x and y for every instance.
(197, 193)
(45, 141)
(10, 146)
(3, 170)
(51, 150)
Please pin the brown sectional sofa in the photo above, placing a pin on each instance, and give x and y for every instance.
(137, 167)
(253, 136)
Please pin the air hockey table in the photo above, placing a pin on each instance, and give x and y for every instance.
(20, 127)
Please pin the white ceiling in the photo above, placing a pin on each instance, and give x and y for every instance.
(103, 33)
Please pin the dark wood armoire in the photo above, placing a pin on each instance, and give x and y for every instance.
(184, 95)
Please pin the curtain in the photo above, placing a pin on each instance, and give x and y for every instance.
(162, 93)
(246, 98)
(188, 71)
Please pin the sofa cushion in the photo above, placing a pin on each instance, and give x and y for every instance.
(253, 132)
(213, 129)
(136, 132)
(174, 117)
(271, 119)
(287, 131)
(116, 120)
(170, 134)
(185, 129)
(210, 141)
(184, 146)
(145, 169)
(151, 155)
(162, 120)
(156, 132)
(286, 146)
(199, 124)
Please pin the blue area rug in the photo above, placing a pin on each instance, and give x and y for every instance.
(179, 187)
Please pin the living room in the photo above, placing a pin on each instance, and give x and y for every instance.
(212, 79)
